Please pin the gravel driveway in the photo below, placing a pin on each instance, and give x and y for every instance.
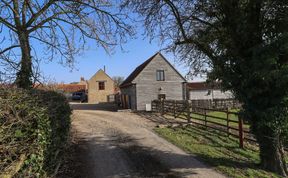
(123, 144)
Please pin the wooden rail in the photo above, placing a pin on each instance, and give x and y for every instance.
(205, 117)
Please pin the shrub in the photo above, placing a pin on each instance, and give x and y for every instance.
(34, 129)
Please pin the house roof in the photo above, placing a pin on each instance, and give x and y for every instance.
(202, 86)
(71, 87)
(6, 85)
(128, 81)
(134, 74)
(100, 70)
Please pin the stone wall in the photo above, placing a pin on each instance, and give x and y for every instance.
(148, 88)
(94, 94)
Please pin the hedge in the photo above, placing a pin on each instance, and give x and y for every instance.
(34, 130)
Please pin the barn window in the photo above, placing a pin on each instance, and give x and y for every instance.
(160, 75)
(101, 85)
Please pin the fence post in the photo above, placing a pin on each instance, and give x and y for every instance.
(227, 117)
(205, 117)
(188, 111)
(174, 108)
(241, 133)
(162, 106)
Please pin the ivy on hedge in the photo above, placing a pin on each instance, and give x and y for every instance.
(34, 130)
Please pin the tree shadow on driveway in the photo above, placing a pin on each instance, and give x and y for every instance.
(121, 156)
(160, 119)
(100, 106)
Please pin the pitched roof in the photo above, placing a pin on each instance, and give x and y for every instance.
(100, 70)
(139, 69)
(71, 87)
(134, 74)
(7, 85)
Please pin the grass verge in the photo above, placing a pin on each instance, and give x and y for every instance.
(222, 115)
(216, 149)
(221, 118)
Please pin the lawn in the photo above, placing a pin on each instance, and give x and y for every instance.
(223, 115)
(222, 118)
(217, 150)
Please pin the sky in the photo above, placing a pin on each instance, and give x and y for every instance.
(119, 63)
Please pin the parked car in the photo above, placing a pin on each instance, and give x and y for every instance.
(84, 98)
(77, 95)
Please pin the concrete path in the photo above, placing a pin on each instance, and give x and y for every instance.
(123, 144)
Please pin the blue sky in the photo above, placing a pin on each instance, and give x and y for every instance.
(120, 63)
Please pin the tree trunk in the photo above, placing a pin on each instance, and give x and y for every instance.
(271, 151)
(24, 75)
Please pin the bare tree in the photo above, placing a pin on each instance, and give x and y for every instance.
(118, 80)
(243, 43)
(56, 29)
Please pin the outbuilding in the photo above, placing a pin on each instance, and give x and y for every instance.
(154, 79)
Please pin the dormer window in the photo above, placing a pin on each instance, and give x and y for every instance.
(160, 76)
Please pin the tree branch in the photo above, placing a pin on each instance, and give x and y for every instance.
(83, 31)
(9, 25)
(40, 24)
(16, 13)
(202, 47)
(41, 11)
(9, 48)
(29, 7)
(23, 12)
(9, 6)
(177, 16)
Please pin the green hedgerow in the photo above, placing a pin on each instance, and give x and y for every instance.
(34, 129)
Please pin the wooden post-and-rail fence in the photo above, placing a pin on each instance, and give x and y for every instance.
(228, 122)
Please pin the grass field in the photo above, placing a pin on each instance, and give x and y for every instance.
(222, 118)
(223, 115)
(217, 150)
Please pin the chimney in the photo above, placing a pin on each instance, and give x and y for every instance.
(104, 68)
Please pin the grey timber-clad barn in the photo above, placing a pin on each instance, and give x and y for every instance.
(154, 79)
